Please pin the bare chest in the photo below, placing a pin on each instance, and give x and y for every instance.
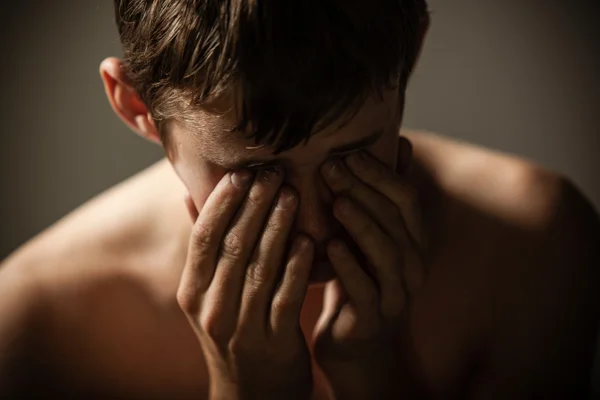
(120, 338)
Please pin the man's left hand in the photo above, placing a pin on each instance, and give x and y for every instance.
(358, 336)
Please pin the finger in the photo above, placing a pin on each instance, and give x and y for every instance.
(218, 211)
(289, 296)
(385, 181)
(387, 215)
(359, 287)
(334, 297)
(240, 240)
(263, 270)
(385, 257)
(404, 196)
(191, 207)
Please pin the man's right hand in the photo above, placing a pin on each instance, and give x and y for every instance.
(242, 292)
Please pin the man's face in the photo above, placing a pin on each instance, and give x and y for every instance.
(203, 155)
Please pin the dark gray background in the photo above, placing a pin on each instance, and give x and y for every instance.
(519, 76)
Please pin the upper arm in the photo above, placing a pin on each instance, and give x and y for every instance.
(21, 313)
(548, 322)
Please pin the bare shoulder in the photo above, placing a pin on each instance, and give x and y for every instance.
(530, 238)
(516, 193)
(92, 295)
(515, 189)
(129, 228)
(126, 233)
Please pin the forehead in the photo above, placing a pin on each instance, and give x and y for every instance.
(211, 131)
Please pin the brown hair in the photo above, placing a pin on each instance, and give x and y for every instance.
(296, 65)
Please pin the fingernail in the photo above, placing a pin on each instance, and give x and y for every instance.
(301, 243)
(286, 200)
(332, 169)
(240, 178)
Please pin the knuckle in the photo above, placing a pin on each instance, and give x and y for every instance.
(227, 194)
(256, 274)
(232, 246)
(240, 350)
(236, 346)
(202, 236)
(294, 267)
(211, 325)
(276, 224)
(284, 305)
(245, 346)
(188, 300)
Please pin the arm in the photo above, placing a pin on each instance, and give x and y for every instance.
(547, 350)
(20, 310)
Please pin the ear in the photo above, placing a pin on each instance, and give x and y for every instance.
(125, 101)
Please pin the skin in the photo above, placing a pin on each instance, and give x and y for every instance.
(192, 159)
(135, 307)
(320, 181)
(101, 313)
(253, 344)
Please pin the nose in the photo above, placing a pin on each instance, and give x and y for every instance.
(314, 216)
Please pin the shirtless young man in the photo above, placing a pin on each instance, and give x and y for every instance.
(467, 273)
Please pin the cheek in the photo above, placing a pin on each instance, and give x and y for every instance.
(199, 177)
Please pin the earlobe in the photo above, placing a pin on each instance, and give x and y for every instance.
(146, 128)
(125, 101)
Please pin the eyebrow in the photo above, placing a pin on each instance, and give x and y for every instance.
(339, 150)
